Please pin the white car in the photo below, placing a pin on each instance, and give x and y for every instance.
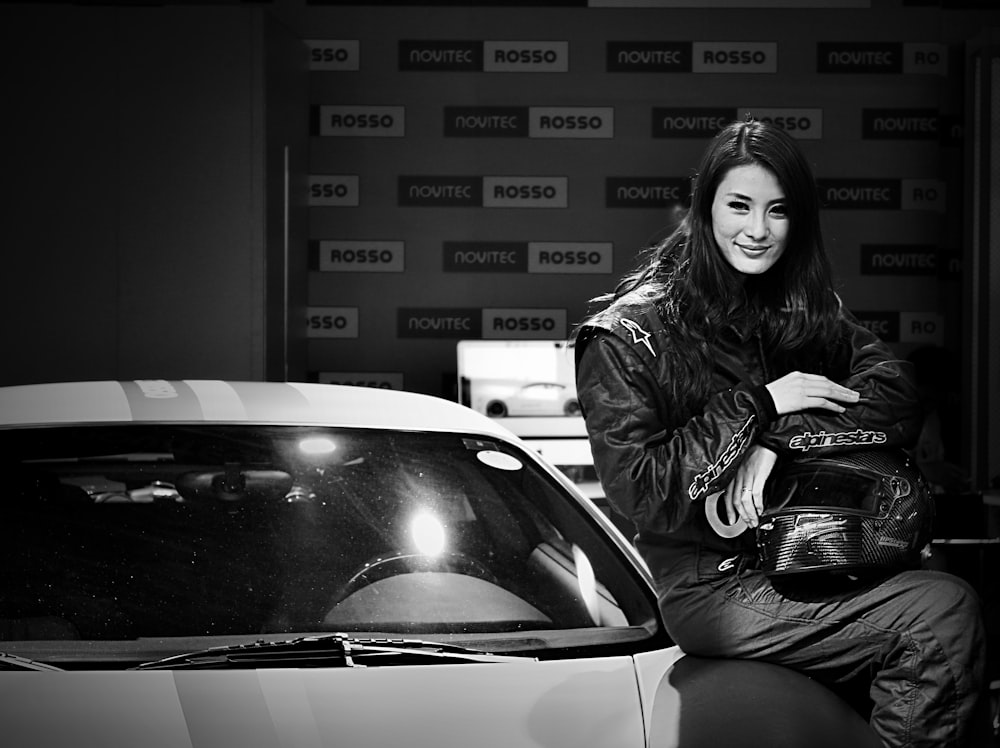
(501, 398)
(207, 563)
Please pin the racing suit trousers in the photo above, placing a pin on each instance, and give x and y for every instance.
(919, 635)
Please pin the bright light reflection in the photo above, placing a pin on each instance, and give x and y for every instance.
(317, 445)
(428, 534)
(587, 583)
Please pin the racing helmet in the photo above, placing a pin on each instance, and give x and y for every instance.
(856, 513)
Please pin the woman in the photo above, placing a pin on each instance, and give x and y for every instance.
(725, 351)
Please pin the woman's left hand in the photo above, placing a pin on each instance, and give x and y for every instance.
(744, 496)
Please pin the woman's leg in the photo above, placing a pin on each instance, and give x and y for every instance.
(919, 634)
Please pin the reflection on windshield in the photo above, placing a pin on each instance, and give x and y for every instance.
(137, 533)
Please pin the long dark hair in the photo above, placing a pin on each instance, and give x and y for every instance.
(792, 307)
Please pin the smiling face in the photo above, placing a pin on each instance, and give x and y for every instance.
(750, 219)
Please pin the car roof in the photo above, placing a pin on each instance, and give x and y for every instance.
(217, 401)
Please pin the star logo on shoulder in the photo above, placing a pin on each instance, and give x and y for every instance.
(638, 334)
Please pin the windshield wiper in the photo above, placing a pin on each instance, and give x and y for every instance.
(334, 650)
(13, 662)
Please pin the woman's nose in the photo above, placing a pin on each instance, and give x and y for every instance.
(756, 226)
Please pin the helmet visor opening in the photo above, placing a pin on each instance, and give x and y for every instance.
(824, 486)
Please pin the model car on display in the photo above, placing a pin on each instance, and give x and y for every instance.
(202, 563)
(507, 398)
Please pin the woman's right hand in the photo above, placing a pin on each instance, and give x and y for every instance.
(798, 391)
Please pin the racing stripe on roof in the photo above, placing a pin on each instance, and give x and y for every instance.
(268, 401)
(83, 401)
(162, 400)
(219, 401)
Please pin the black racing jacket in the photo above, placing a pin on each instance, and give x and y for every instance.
(665, 474)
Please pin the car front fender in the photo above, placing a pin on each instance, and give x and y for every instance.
(697, 702)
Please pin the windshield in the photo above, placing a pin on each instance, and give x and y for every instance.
(125, 543)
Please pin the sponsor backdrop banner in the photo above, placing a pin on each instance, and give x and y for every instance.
(483, 172)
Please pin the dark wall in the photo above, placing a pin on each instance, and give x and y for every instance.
(136, 183)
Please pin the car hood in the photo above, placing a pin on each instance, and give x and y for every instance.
(553, 704)
(658, 699)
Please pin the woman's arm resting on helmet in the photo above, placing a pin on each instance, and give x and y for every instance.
(887, 413)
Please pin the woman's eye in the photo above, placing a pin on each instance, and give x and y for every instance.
(738, 205)
(780, 211)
